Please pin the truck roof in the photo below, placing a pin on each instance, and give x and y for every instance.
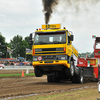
(51, 28)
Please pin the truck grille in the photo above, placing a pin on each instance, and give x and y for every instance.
(51, 57)
(49, 51)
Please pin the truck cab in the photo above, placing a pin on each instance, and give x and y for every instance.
(53, 53)
(97, 47)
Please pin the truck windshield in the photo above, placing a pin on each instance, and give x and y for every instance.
(97, 45)
(50, 38)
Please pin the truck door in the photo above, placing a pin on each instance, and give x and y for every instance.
(69, 45)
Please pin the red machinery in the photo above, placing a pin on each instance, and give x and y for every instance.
(91, 66)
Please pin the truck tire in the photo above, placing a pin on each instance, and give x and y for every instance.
(74, 79)
(38, 72)
(72, 68)
(80, 77)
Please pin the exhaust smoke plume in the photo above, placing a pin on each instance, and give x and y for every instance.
(76, 5)
(49, 5)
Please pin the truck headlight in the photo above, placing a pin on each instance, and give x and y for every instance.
(63, 58)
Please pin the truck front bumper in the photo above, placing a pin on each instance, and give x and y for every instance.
(56, 62)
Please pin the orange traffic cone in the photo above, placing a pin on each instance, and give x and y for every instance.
(22, 73)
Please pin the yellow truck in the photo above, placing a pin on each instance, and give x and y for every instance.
(54, 54)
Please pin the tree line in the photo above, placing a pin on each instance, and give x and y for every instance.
(17, 45)
(89, 54)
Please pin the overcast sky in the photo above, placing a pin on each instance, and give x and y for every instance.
(21, 17)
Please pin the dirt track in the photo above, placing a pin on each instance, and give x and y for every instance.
(30, 85)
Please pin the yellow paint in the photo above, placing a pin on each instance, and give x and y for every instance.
(64, 62)
(51, 26)
(93, 62)
(49, 46)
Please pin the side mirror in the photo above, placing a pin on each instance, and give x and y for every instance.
(71, 37)
(30, 39)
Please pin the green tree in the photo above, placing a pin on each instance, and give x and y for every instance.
(23, 46)
(15, 45)
(85, 54)
(27, 40)
(92, 55)
(3, 46)
(28, 57)
(18, 45)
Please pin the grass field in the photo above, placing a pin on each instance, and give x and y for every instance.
(16, 75)
(86, 94)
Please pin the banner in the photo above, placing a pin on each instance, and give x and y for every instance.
(28, 51)
(9, 50)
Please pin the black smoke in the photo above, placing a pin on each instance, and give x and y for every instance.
(49, 5)
(74, 5)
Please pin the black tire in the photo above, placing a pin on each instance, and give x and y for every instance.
(72, 68)
(80, 77)
(74, 79)
(38, 72)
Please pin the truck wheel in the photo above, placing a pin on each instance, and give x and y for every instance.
(72, 69)
(38, 72)
(74, 79)
(80, 77)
